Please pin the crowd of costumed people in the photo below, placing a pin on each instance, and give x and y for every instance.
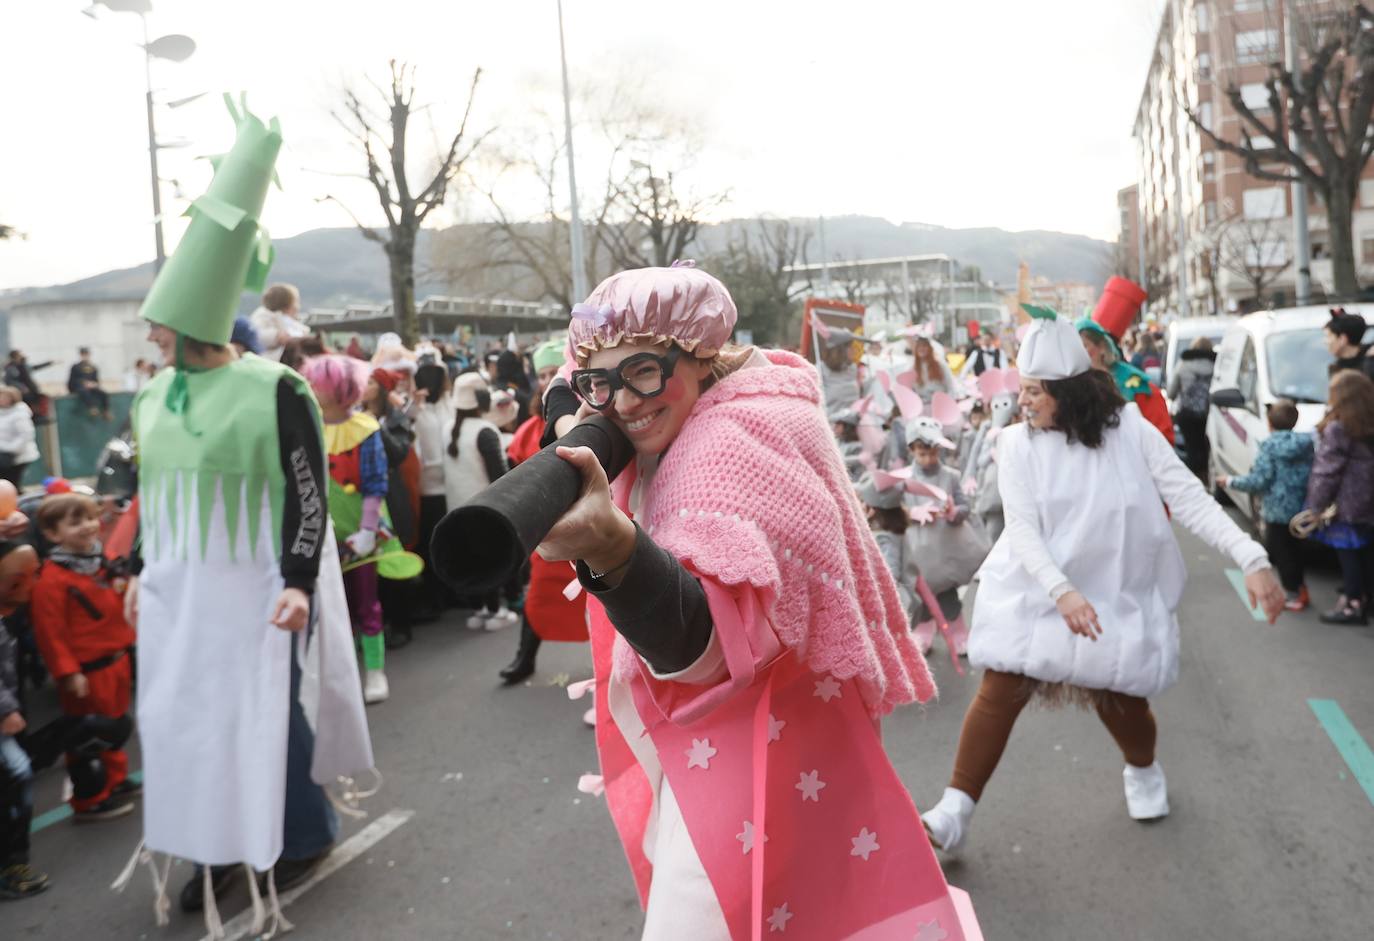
(760, 584)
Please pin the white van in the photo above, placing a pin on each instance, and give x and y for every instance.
(1181, 333)
(1266, 356)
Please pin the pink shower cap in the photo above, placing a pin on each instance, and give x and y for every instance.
(681, 304)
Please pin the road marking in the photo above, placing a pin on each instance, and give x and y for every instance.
(1237, 578)
(347, 851)
(58, 814)
(1348, 742)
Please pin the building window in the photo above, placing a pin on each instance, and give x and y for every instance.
(1260, 142)
(1255, 96)
(1209, 157)
(1204, 17)
(1249, 6)
(1367, 193)
(1256, 45)
(1204, 114)
(1204, 65)
(1264, 203)
(1367, 249)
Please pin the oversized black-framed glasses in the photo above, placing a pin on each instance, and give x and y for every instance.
(644, 374)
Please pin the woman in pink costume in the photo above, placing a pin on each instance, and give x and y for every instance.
(746, 635)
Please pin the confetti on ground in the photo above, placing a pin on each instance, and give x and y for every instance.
(560, 679)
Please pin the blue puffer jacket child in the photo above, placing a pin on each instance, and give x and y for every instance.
(1280, 475)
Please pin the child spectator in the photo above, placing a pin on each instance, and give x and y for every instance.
(939, 539)
(1343, 475)
(888, 520)
(1280, 476)
(78, 622)
(17, 880)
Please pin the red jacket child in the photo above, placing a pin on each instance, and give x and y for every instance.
(78, 622)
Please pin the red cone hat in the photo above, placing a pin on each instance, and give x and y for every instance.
(1117, 307)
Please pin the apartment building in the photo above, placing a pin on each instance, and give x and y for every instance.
(1208, 235)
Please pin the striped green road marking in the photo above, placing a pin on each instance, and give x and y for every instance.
(1348, 742)
(1237, 578)
(58, 814)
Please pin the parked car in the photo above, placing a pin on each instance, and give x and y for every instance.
(1266, 356)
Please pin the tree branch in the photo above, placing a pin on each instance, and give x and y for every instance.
(368, 231)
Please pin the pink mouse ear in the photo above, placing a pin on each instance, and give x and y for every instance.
(1011, 381)
(871, 437)
(885, 381)
(907, 379)
(863, 405)
(944, 409)
(990, 384)
(884, 480)
(920, 489)
(908, 402)
(922, 514)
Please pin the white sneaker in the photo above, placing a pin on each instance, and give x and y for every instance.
(477, 622)
(589, 717)
(502, 619)
(1147, 793)
(375, 687)
(948, 821)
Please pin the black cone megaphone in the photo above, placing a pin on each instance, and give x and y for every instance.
(478, 546)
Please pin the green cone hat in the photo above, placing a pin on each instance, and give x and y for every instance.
(225, 250)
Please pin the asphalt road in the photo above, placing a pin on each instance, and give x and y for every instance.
(479, 831)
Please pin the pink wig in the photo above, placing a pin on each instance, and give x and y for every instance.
(338, 379)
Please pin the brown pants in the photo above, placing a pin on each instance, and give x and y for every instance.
(993, 712)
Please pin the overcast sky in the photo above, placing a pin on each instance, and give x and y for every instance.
(970, 113)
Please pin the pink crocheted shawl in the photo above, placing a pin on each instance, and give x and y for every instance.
(753, 490)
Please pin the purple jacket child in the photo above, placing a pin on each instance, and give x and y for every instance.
(1343, 473)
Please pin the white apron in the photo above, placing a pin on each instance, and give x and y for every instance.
(213, 699)
(213, 694)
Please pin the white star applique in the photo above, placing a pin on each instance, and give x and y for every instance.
(864, 844)
(810, 785)
(700, 754)
(747, 837)
(775, 727)
(778, 920)
(930, 931)
(828, 689)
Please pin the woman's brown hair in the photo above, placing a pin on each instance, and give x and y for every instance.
(1350, 401)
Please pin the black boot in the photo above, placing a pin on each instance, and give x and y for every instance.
(522, 667)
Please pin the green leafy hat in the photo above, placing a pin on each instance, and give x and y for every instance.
(225, 250)
(550, 353)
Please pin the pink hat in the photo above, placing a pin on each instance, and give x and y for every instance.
(681, 304)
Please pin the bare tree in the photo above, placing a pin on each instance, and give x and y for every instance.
(1254, 250)
(754, 266)
(9, 232)
(647, 211)
(655, 218)
(916, 302)
(1328, 106)
(405, 209)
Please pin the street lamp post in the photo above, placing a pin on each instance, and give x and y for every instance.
(579, 266)
(174, 48)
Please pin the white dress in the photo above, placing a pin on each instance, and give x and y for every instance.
(1093, 519)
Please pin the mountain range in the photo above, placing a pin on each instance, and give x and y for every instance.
(337, 267)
